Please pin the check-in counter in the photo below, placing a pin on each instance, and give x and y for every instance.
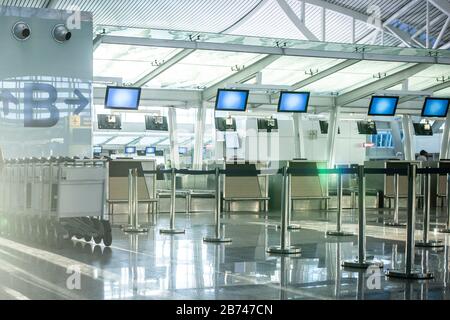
(118, 190)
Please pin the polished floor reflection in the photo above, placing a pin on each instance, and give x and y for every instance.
(156, 266)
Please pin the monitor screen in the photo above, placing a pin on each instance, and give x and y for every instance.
(130, 150)
(97, 150)
(423, 129)
(182, 150)
(367, 127)
(268, 125)
(122, 98)
(150, 150)
(435, 107)
(231, 100)
(324, 127)
(383, 106)
(293, 102)
(225, 124)
(156, 123)
(109, 122)
(159, 153)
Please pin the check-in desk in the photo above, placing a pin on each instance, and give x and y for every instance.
(248, 193)
(118, 190)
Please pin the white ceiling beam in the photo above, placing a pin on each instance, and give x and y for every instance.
(382, 84)
(163, 67)
(295, 52)
(292, 16)
(404, 37)
(97, 41)
(237, 77)
(246, 17)
(441, 34)
(442, 5)
(433, 89)
(445, 46)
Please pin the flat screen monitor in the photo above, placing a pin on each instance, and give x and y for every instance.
(182, 150)
(225, 124)
(383, 106)
(97, 150)
(324, 127)
(435, 107)
(150, 151)
(231, 100)
(109, 122)
(156, 123)
(423, 129)
(159, 153)
(367, 127)
(293, 102)
(130, 150)
(268, 125)
(141, 153)
(122, 98)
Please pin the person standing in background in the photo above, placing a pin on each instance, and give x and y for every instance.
(423, 156)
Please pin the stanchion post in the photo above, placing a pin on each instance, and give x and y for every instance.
(426, 243)
(396, 222)
(339, 232)
(285, 247)
(173, 190)
(218, 238)
(290, 226)
(409, 272)
(447, 227)
(361, 262)
(133, 203)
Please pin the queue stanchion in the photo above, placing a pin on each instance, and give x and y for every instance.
(361, 262)
(218, 238)
(410, 272)
(339, 232)
(426, 242)
(133, 203)
(284, 247)
(173, 198)
(447, 226)
(396, 222)
(290, 226)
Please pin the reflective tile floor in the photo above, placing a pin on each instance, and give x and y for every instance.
(156, 266)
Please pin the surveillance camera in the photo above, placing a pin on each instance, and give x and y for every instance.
(61, 34)
(21, 31)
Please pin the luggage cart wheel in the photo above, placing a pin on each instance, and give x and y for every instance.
(107, 236)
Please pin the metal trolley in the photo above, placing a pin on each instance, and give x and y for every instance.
(52, 199)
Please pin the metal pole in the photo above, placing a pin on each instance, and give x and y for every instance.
(339, 232)
(284, 247)
(361, 262)
(447, 227)
(396, 222)
(218, 236)
(409, 273)
(133, 203)
(173, 190)
(426, 218)
(289, 205)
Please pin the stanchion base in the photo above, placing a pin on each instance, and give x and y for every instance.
(135, 230)
(217, 240)
(395, 224)
(444, 231)
(339, 234)
(414, 275)
(287, 250)
(294, 227)
(172, 231)
(355, 264)
(430, 244)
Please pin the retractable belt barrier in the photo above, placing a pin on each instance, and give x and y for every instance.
(361, 262)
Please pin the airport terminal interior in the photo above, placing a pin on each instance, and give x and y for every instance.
(224, 149)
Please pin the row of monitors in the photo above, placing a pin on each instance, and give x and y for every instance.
(148, 151)
(114, 122)
(370, 128)
(128, 98)
(297, 102)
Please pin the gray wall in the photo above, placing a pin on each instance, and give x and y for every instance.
(64, 72)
